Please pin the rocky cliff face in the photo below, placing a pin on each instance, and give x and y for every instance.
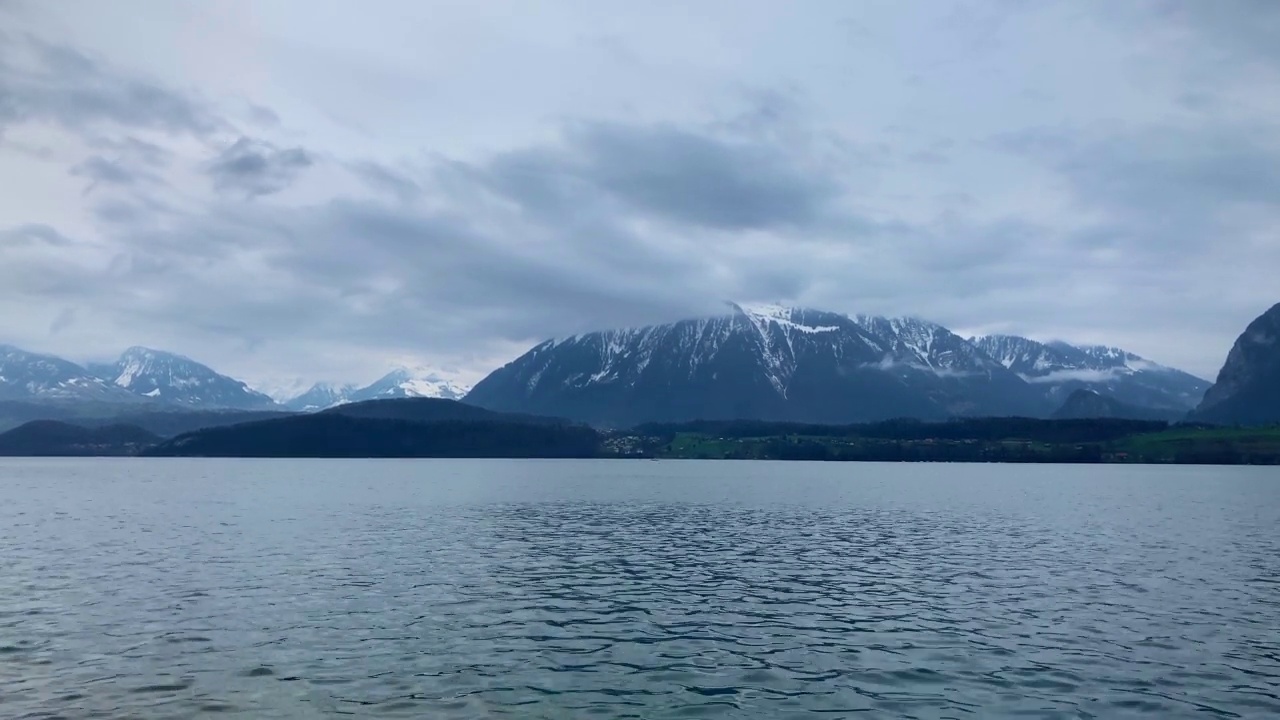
(1247, 390)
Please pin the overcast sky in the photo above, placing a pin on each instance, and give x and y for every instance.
(321, 190)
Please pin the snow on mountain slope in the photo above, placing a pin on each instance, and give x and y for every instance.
(928, 346)
(178, 380)
(1061, 368)
(777, 335)
(951, 370)
(411, 382)
(765, 362)
(320, 396)
(399, 383)
(28, 376)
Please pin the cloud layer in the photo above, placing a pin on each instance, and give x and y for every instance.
(302, 197)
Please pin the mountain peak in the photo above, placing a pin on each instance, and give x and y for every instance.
(765, 310)
(320, 396)
(1086, 403)
(29, 376)
(407, 381)
(400, 382)
(172, 378)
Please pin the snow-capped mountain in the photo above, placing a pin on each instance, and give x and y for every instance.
(1059, 369)
(763, 362)
(399, 383)
(957, 375)
(926, 345)
(411, 382)
(178, 380)
(320, 396)
(34, 377)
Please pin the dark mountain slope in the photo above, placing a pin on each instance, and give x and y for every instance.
(767, 363)
(1085, 403)
(1247, 391)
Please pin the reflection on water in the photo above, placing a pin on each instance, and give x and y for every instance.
(622, 589)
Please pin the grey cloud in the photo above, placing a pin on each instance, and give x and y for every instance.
(132, 162)
(1240, 28)
(1143, 206)
(1162, 186)
(43, 81)
(263, 116)
(384, 179)
(136, 210)
(1179, 169)
(32, 234)
(101, 170)
(133, 150)
(675, 174)
(701, 180)
(254, 167)
(65, 319)
(550, 256)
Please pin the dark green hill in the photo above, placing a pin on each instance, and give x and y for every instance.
(337, 435)
(163, 421)
(433, 410)
(168, 423)
(53, 438)
(1085, 403)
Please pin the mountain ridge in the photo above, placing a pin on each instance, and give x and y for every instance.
(178, 380)
(774, 362)
(1060, 368)
(401, 382)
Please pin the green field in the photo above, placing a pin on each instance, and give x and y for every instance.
(1187, 444)
(1199, 445)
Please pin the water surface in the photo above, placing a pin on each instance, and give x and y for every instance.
(552, 589)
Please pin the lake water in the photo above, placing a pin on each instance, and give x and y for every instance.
(609, 589)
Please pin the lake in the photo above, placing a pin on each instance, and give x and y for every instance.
(610, 589)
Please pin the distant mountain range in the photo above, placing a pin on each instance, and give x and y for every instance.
(141, 377)
(177, 380)
(798, 364)
(399, 383)
(767, 363)
(146, 380)
(32, 376)
(1058, 370)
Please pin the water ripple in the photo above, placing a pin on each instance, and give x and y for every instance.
(560, 590)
